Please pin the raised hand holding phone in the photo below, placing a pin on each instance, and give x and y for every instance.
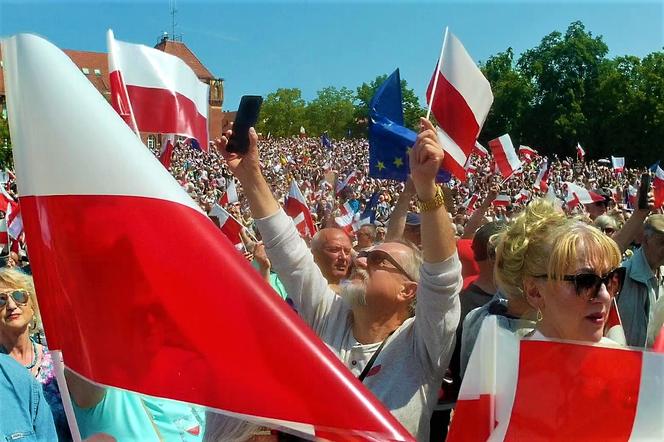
(246, 118)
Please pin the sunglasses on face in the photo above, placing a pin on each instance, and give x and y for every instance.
(20, 297)
(378, 258)
(588, 284)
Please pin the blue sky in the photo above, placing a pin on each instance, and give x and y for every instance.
(258, 47)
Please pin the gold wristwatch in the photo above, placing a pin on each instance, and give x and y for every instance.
(437, 201)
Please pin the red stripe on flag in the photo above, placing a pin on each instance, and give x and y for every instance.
(456, 118)
(472, 419)
(119, 98)
(162, 111)
(559, 395)
(126, 315)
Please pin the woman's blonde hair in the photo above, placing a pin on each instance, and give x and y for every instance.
(15, 279)
(543, 241)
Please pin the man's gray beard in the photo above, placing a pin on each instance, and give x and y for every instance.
(354, 294)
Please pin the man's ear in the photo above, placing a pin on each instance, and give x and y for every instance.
(408, 291)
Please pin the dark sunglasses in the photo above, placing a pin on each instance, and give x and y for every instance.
(376, 258)
(588, 284)
(20, 297)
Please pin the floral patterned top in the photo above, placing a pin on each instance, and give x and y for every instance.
(46, 377)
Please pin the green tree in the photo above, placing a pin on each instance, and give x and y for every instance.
(6, 159)
(412, 110)
(282, 113)
(332, 111)
(562, 69)
(512, 93)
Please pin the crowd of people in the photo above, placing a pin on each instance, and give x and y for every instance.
(401, 299)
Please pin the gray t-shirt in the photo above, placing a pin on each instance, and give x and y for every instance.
(408, 373)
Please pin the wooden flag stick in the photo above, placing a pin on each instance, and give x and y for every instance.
(437, 74)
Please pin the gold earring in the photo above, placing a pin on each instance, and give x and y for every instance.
(539, 316)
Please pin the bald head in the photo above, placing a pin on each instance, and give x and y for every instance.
(331, 248)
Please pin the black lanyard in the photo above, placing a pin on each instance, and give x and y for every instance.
(366, 370)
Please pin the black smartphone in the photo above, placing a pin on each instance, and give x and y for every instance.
(246, 117)
(643, 191)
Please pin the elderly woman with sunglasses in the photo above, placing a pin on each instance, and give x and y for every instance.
(565, 270)
(19, 317)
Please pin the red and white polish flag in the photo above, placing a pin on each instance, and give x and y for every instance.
(167, 148)
(230, 195)
(613, 329)
(632, 193)
(530, 390)
(296, 207)
(229, 225)
(502, 200)
(469, 204)
(523, 196)
(350, 179)
(76, 202)
(460, 101)
(618, 164)
(481, 150)
(14, 221)
(346, 220)
(157, 92)
(580, 152)
(579, 194)
(528, 153)
(542, 180)
(658, 187)
(503, 151)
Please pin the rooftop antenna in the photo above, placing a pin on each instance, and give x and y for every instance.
(173, 12)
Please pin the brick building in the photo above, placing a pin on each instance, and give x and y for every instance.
(94, 65)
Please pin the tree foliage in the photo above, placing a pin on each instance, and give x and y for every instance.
(282, 113)
(566, 90)
(332, 111)
(6, 159)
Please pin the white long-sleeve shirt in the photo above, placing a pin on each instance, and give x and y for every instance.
(408, 373)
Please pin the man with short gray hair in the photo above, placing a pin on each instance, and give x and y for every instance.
(644, 283)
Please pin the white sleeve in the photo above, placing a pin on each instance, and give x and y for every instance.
(437, 313)
(293, 262)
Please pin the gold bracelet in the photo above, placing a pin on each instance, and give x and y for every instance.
(437, 201)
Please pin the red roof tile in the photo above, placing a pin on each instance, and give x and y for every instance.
(181, 50)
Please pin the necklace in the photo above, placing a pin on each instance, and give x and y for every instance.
(34, 356)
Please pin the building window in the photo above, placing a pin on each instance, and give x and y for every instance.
(152, 141)
(86, 71)
(97, 72)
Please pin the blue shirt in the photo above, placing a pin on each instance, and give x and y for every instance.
(24, 414)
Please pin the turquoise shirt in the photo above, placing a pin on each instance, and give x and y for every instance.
(275, 282)
(130, 416)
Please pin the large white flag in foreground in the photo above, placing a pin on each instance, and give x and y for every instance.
(112, 294)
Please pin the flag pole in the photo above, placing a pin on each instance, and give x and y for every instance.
(435, 80)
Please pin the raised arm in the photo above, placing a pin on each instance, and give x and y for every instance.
(426, 157)
(437, 309)
(397, 223)
(477, 219)
(286, 250)
(633, 225)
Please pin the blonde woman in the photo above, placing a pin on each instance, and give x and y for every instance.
(19, 318)
(565, 270)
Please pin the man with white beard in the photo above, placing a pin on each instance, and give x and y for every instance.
(399, 356)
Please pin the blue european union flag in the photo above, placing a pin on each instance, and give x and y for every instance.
(389, 140)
